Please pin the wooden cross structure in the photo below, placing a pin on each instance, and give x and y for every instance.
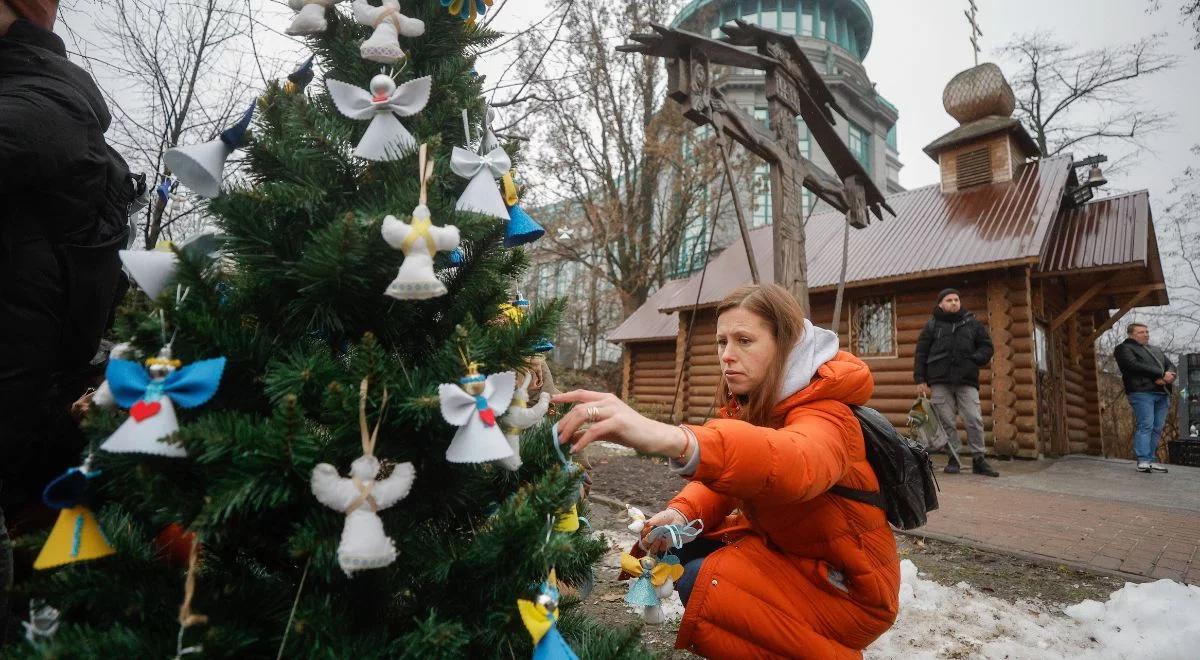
(794, 88)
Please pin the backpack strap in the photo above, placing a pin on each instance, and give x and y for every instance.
(872, 497)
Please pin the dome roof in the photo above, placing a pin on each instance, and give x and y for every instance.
(856, 11)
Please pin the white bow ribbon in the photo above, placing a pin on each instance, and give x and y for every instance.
(468, 163)
(482, 194)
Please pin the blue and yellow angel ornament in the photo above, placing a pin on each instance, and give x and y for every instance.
(655, 581)
(541, 620)
(76, 535)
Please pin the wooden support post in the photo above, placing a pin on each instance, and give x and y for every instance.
(1112, 320)
(1004, 396)
(679, 405)
(1078, 303)
(626, 371)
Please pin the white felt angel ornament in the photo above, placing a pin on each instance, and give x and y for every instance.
(520, 417)
(311, 17)
(473, 406)
(384, 44)
(419, 241)
(386, 138)
(482, 194)
(361, 496)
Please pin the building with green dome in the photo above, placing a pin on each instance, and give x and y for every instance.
(836, 36)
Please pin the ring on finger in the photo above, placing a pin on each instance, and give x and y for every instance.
(593, 414)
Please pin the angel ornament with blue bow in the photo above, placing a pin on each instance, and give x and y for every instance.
(386, 138)
(519, 417)
(482, 194)
(151, 395)
(474, 406)
(419, 241)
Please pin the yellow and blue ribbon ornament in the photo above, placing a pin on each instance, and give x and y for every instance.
(541, 618)
(650, 573)
(467, 10)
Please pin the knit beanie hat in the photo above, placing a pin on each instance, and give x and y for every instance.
(39, 12)
(945, 292)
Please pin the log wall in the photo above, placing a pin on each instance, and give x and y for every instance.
(649, 383)
(1009, 390)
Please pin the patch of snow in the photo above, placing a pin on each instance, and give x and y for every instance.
(1156, 620)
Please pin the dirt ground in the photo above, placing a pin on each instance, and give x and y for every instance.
(647, 484)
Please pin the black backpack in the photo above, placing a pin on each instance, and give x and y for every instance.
(907, 488)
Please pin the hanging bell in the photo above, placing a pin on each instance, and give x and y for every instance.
(521, 228)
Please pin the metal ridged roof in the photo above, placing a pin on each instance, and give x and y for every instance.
(647, 322)
(1104, 233)
(976, 229)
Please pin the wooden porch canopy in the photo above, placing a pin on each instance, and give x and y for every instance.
(1107, 256)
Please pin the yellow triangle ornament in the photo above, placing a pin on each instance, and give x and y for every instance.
(568, 521)
(76, 537)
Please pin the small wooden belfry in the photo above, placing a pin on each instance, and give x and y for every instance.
(794, 88)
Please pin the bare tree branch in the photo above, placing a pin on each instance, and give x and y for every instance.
(1078, 100)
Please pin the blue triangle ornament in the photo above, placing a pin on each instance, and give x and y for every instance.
(235, 136)
(521, 228)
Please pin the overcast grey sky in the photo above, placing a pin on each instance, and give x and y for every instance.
(920, 44)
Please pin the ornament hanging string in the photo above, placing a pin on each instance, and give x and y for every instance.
(187, 618)
(369, 437)
(295, 603)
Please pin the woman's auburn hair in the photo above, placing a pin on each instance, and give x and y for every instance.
(782, 314)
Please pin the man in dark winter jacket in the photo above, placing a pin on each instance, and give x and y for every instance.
(59, 269)
(952, 347)
(1149, 377)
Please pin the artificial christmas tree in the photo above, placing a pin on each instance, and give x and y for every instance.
(295, 305)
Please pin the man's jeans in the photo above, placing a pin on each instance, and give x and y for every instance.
(691, 556)
(950, 401)
(1150, 414)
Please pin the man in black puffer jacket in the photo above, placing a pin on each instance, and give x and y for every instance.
(59, 269)
(1149, 377)
(952, 347)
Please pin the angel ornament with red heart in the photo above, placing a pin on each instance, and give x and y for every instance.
(474, 406)
(151, 395)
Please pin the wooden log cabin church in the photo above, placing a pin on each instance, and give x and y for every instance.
(1035, 258)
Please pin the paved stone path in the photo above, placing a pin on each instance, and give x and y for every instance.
(1081, 510)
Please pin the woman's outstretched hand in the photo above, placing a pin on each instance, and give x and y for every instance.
(613, 420)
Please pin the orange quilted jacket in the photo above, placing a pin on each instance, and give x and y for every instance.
(803, 574)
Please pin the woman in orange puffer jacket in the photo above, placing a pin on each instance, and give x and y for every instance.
(785, 568)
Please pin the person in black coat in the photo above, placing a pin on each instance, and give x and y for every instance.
(952, 347)
(1149, 378)
(59, 269)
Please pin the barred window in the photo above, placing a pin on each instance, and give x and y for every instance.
(873, 327)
